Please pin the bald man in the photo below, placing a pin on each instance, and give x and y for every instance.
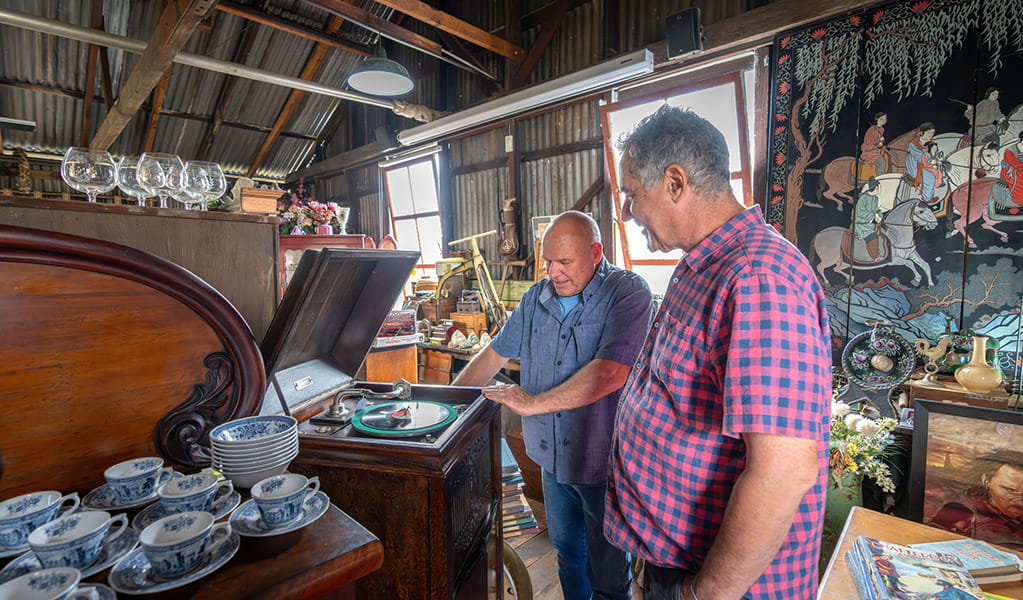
(576, 334)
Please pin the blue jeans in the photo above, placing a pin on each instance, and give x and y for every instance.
(588, 566)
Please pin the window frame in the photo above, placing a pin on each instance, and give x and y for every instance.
(385, 170)
(745, 173)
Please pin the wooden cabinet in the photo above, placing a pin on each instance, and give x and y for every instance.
(292, 247)
(235, 253)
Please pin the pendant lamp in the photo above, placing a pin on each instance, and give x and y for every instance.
(380, 76)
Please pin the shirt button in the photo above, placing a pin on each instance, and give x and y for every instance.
(639, 364)
(559, 363)
(657, 324)
(564, 336)
(674, 279)
(558, 415)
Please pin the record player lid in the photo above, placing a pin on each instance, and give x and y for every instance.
(326, 323)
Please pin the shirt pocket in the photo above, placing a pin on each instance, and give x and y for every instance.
(679, 356)
(586, 338)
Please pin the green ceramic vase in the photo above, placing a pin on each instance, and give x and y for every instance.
(845, 490)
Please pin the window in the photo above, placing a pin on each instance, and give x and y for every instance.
(415, 213)
(721, 100)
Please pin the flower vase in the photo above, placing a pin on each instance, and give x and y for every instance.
(325, 229)
(845, 490)
(977, 375)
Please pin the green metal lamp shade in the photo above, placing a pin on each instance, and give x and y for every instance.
(380, 76)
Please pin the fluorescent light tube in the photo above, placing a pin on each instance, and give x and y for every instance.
(574, 84)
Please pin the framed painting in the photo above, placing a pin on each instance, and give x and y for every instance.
(967, 471)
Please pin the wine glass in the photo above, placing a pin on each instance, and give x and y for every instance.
(161, 175)
(218, 185)
(89, 171)
(128, 181)
(197, 183)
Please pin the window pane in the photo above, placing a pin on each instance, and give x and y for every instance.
(405, 234)
(399, 191)
(717, 105)
(429, 234)
(638, 249)
(424, 187)
(657, 276)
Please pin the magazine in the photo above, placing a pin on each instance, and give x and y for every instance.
(888, 571)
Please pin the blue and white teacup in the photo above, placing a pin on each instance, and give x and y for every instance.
(21, 514)
(192, 492)
(74, 540)
(135, 479)
(44, 584)
(280, 498)
(176, 544)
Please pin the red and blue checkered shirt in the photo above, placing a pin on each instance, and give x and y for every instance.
(739, 345)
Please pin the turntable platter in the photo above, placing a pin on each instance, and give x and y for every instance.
(404, 418)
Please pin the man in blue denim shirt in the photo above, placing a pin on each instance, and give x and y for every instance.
(576, 335)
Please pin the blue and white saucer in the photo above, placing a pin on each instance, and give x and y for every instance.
(103, 498)
(112, 551)
(248, 521)
(6, 552)
(134, 575)
(223, 503)
(85, 592)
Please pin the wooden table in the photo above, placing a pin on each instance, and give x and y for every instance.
(837, 584)
(322, 560)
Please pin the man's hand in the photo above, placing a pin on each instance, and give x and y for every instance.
(513, 397)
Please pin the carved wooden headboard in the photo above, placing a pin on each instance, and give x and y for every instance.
(109, 353)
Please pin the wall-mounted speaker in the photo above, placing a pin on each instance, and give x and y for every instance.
(684, 33)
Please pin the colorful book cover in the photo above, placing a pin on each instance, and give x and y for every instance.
(900, 572)
(980, 557)
(860, 577)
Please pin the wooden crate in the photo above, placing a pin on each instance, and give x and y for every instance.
(470, 322)
(260, 201)
(437, 309)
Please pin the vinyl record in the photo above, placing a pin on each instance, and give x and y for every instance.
(403, 418)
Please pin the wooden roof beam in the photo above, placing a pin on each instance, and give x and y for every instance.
(456, 27)
(536, 17)
(241, 55)
(383, 27)
(282, 25)
(154, 114)
(308, 72)
(540, 44)
(179, 19)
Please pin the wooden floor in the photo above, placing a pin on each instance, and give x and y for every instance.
(541, 559)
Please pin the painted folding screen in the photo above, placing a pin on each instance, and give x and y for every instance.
(897, 166)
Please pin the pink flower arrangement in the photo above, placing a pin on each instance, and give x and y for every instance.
(298, 211)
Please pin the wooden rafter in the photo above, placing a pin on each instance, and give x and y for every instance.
(154, 115)
(282, 25)
(540, 44)
(90, 91)
(536, 18)
(457, 27)
(241, 56)
(179, 19)
(385, 28)
(308, 72)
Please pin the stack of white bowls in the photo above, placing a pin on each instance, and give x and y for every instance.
(254, 448)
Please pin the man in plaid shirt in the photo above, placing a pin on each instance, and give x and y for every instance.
(719, 457)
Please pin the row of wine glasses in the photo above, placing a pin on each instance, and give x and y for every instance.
(163, 176)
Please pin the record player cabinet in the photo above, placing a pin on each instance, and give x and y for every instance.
(433, 501)
(436, 511)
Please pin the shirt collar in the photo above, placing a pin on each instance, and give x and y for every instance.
(547, 294)
(716, 241)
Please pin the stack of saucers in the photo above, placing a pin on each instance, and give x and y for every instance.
(254, 448)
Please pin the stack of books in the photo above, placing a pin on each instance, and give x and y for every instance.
(516, 516)
(884, 571)
(985, 562)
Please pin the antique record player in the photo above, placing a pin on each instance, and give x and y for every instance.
(417, 465)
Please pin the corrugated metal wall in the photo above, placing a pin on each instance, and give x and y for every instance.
(553, 182)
